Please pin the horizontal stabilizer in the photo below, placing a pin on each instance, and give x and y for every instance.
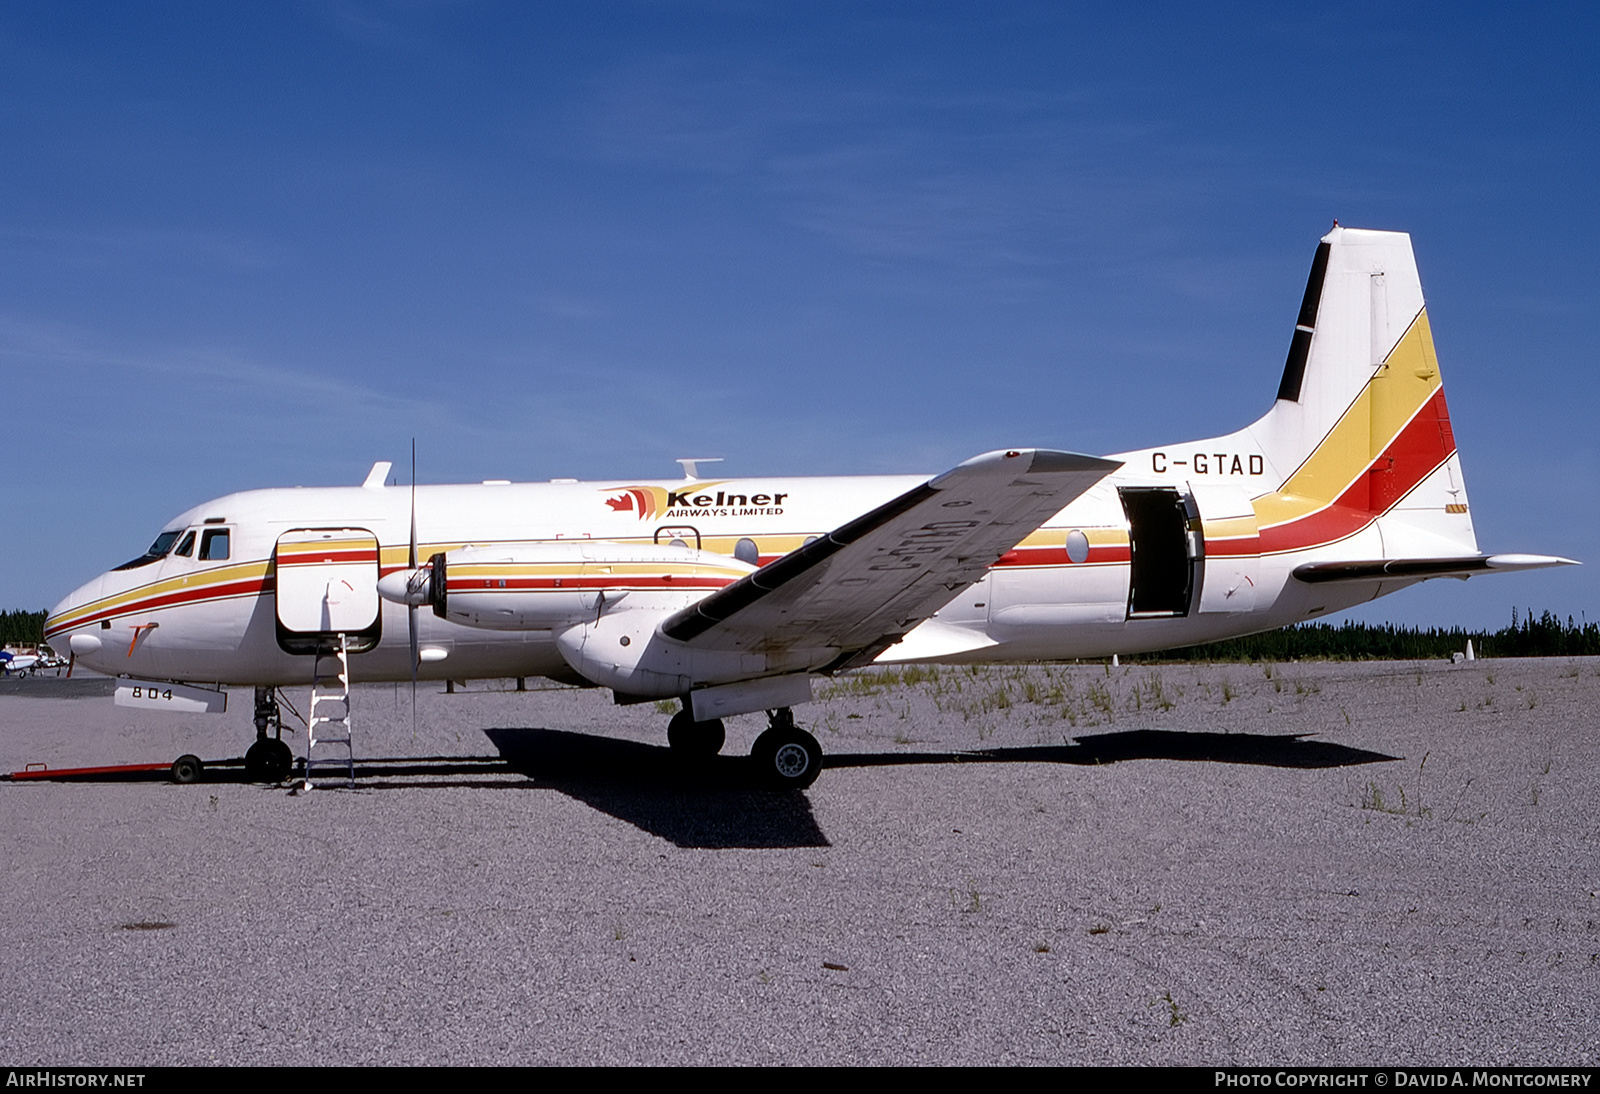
(1418, 568)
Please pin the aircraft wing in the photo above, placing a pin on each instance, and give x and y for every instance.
(862, 586)
(1462, 566)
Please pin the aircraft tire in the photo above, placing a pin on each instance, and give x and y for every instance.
(787, 758)
(690, 738)
(186, 769)
(268, 761)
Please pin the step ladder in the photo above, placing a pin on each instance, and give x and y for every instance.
(328, 720)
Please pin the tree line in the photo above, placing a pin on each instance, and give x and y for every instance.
(22, 628)
(1528, 636)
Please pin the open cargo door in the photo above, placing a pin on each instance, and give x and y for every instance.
(326, 585)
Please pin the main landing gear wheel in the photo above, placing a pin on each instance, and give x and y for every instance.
(268, 761)
(786, 756)
(186, 768)
(695, 739)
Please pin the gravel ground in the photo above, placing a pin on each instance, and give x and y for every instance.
(1383, 864)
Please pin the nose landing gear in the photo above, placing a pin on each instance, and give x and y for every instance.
(269, 760)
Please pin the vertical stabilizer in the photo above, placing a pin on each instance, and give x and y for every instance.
(1360, 433)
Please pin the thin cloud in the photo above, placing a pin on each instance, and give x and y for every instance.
(24, 343)
(141, 247)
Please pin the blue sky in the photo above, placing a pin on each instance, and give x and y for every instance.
(262, 245)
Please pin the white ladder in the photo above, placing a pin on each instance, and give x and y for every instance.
(328, 720)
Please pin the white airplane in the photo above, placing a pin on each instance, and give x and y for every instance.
(731, 594)
(18, 664)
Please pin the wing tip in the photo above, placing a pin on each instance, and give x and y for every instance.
(1527, 562)
(1031, 461)
(1056, 460)
(1420, 569)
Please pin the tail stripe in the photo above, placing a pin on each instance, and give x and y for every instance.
(1402, 387)
(1392, 437)
(1415, 454)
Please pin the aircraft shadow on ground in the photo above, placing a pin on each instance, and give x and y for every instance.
(712, 803)
(1270, 750)
(720, 803)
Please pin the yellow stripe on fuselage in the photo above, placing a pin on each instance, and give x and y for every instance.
(196, 581)
(589, 569)
(1057, 537)
(322, 546)
(1229, 528)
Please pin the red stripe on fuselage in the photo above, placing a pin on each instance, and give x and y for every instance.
(1231, 548)
(538, 584)
(1057, 556)
(327, 558)
(227, 590)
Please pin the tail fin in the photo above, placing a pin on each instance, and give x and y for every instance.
(1360, 432)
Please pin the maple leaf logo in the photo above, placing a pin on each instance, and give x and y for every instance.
(646, 501)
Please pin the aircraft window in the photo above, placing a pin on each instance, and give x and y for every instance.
(746, 551)
(214, 547)
(186, 548)
(157, 550)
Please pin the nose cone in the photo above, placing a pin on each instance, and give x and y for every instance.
(74, 618)
(59, 614)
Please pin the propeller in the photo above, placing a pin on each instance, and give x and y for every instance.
(415, 586)
(411, 608)
(411, 587)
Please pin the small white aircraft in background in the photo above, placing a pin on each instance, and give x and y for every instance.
(18, 664)
(732, 594)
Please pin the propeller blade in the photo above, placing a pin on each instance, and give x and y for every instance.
(411, 620)
(411, 604)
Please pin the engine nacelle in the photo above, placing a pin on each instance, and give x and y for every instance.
(557, 585)
(623, 650)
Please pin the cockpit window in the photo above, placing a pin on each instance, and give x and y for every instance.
(214, 546)
(186, 548)
(157, 550)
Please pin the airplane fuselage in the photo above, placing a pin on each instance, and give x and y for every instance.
(1064, 592)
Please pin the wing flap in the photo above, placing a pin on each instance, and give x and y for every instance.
(876, 577)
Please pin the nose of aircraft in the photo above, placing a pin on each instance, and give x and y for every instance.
(58, 613)
(68, 629)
